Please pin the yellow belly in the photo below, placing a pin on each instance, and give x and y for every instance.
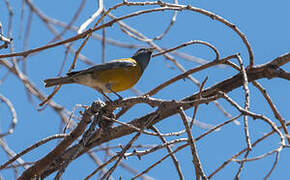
(119, 79)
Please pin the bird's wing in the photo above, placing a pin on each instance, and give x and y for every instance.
(120, 63)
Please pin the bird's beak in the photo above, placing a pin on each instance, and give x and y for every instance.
(152, 49)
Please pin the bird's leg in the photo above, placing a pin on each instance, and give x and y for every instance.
(119, 96)
(106, 97)
(110, 88)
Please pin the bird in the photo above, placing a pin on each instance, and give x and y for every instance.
(111, 77)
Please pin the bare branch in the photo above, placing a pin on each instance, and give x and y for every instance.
(13, 114)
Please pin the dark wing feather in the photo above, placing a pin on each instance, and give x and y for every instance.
(122, 63)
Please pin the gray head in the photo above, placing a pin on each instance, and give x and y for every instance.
(142, 56)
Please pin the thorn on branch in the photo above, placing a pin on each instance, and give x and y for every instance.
(188, 7)
(233, 26)
(213, 17)
(161, 4)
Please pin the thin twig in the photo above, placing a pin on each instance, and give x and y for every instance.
(274, 165)
(174, 159)
(185, 74)
(189, 43)
(273, 107)
(197, 164)
(130, 143)
(11, 153)
(242, 165)
(159, 161)
(130, 126)
(139, 154)
(41, 164)
(195, 107)
(13, 114)
(41, 142)
(172, 21)
(260, 156)
(75, 17)
(247, 102)
(101, 167)
(92, 18)
(255, 116)
(223, 165)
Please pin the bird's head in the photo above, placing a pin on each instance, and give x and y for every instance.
(143, 56)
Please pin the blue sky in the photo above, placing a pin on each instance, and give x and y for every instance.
(266, 26)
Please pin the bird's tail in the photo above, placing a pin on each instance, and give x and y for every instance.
(58, 81)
